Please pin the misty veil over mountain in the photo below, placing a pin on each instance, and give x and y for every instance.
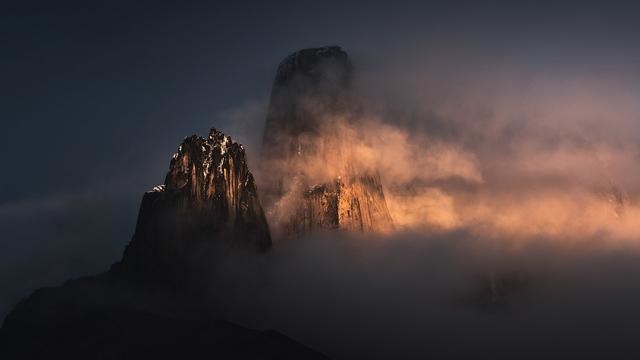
(351, 233)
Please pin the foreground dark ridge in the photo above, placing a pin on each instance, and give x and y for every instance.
(49, 325)
(154, 302)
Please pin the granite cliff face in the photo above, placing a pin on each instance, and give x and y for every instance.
(208, 204)
(355, 205)
(312, 89)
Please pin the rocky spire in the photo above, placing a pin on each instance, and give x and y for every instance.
(312, 91)
(208, 203)
(310, 84)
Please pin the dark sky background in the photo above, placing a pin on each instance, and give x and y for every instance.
(96, 96)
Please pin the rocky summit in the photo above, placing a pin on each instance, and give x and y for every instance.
(208, 204)
(313, 91)
(310, 85)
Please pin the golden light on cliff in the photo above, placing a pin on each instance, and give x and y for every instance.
(440, 186)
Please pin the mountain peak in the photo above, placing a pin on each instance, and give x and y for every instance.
(208, 201)
(311, 93)
(310, 61)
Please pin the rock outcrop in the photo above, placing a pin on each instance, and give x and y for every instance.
(312, 91)
(354, 205)
(208, 204)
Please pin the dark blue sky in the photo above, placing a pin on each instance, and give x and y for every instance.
(95, 96)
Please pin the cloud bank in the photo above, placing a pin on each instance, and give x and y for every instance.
(517, 224)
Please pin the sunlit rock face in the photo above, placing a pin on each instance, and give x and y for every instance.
(207, 205)
(312, 91)
(357, 204)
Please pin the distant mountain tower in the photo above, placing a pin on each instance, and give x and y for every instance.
(312, 89)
